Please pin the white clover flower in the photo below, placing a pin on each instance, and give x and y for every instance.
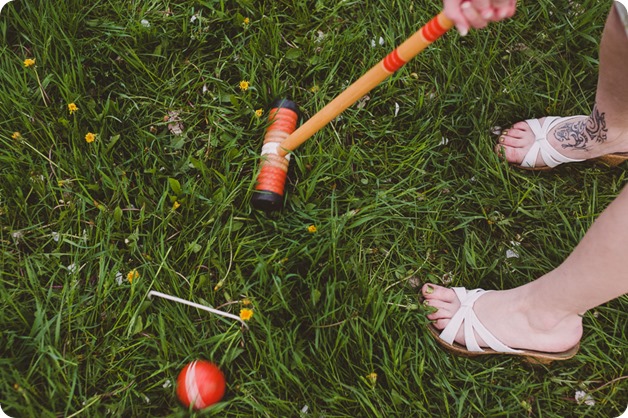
(512, 251)
(584, 398)
(374, 43)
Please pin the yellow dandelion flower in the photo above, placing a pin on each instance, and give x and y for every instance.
(90, 137)
(311, 229)
(259, 113)
(246, 21)
(246, 301)
(29, 62)
(244, 85)
(246, 314)
(176, 205)
(314, 88)
(372, 378)
(16, 135)
(72, 108)
(132, 275)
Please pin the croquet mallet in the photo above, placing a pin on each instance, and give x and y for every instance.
(282, 137)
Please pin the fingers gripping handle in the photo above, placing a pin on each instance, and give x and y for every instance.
(271, 180)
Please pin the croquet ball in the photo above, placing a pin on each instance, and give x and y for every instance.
(200, 384)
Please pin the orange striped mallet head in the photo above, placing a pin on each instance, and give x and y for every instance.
(283, 118)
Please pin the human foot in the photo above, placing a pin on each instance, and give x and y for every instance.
(541, 144)
(508, 317)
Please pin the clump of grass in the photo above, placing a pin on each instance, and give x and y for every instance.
(403, 188)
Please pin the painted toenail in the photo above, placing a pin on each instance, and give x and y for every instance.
(426, 303)
(502, 139)
(429, 289)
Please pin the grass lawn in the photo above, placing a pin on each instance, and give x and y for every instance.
(403, 188)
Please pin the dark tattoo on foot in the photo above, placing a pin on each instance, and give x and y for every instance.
(578, 135)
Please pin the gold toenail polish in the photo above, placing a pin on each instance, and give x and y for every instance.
(502, 139)
(426, 303)
(429, 289)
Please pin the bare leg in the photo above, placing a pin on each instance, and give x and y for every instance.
(544, 315)
(605, 131)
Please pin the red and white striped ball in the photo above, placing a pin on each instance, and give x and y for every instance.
(200, 384)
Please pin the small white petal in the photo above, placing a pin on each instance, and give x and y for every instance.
(512, 251)
(583, 397)
(511, 254)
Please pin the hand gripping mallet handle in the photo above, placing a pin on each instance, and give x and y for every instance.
(420, 40)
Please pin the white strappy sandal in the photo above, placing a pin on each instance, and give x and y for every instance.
(465, 317)
(550, 156)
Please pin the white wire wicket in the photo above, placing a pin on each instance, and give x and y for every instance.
(197, 305)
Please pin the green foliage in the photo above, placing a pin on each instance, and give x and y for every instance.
(403, 188)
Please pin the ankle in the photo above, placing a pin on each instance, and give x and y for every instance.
(606, 131)
(546, 317)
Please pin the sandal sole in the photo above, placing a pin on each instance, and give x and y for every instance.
(531, 356)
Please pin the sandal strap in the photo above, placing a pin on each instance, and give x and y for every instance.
(466, 317)
(541, 145)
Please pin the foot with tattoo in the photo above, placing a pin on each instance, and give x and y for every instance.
(541, 144)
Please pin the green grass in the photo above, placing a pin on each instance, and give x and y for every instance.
(394, 206)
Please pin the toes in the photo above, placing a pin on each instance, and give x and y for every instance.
(441, 310)
(440, 324)
(434, 292)
(513, 155)
(520, 128)
(515, 142)
(512, 141)
(515, 134)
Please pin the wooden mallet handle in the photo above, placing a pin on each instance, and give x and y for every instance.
(429, 33)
